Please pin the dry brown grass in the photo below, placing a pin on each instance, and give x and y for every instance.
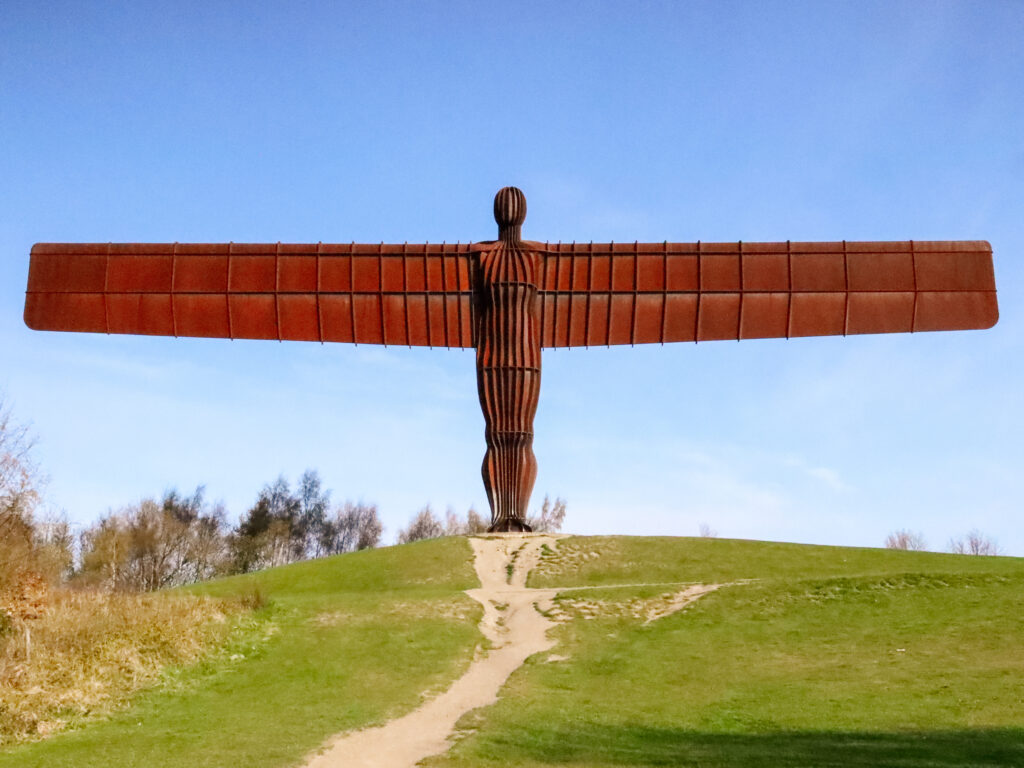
(568, 557)
(85, 652)
(570, 605)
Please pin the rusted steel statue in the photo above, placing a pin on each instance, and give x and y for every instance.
(509, 299)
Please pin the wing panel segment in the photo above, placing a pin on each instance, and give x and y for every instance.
(636, 293)
(409, 294)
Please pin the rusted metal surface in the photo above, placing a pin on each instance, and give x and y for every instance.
(508, 363)
(637, 293)
(416, 295)
(510, 298)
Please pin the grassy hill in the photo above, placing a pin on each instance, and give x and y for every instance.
(805, 656)
(345, 642)
(809, 656)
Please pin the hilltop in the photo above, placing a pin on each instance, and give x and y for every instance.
(667, 651)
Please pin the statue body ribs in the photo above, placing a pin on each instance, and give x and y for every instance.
(508, 364)
(508, 299)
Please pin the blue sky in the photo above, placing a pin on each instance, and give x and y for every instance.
(311, 121)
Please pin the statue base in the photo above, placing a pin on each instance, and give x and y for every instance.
(510, 525)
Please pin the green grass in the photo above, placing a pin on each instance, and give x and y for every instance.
(831, 657)
(636, 559)
(810, 656)
(345, 642)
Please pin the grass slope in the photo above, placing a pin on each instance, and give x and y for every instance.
(809, 656)
(831, 657)
(346, 642)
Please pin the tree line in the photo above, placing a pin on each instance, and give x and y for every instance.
(183, 538)
(426, 525)
(974, 542)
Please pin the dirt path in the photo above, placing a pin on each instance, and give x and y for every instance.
(516, 629)
(680, 600)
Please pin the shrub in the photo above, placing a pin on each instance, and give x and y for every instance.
(152, 545)
(424, 525)
(707, 532)
(551, 516)
(903, 539)
(974, 543)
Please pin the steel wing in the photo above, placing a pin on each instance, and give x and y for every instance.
(410, 294)
(639, 293)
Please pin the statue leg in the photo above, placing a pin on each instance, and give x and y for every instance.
(509, 401)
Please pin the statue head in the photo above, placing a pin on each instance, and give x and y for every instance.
(509, 212)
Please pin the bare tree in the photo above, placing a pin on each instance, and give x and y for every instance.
(550, 517)
(904, 539)
(248, 541)
(351, 527)
(209, 555)
(314, 502)
(19, 497)
(269, 532)
(19, 476)
(282, 527)
(203, 528)
(55, 548)
(475, 522)
(336, 534)
(279, 541)
(106, 549)
(368, 526)
(285, 539)
(453, 526)
(152, 545)
(707, 532)
(974, 543)
(157, 547)
(424, 525)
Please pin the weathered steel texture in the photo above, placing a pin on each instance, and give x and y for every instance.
(510, 298)
(413, 295)
(508, 363)
(637, 293)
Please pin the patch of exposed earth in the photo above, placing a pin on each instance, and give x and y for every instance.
(645, 609)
